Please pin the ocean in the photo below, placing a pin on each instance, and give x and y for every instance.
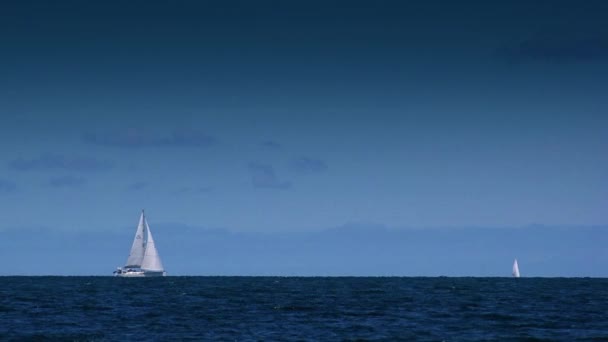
(303, 308)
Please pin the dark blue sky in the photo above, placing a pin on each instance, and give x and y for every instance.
(269, 116)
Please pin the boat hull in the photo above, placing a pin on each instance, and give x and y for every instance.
(138, 273)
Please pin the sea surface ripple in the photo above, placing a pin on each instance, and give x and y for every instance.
(303, 308)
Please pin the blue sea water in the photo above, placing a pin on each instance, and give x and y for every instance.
(294, 308)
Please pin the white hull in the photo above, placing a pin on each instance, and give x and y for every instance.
(131, 275)
(139, 274)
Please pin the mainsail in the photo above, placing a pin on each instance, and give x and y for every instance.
(515, 269)
(138, 248)
(151, 260)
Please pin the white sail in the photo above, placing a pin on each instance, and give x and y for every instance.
(138, 248)
(515, 269)
(151, 260)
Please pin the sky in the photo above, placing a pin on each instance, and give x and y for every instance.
(271, 118)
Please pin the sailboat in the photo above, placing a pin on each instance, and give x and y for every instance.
(515, 269)
(143, 260)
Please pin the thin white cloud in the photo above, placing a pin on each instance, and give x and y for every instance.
(264, 176)
(60, 162)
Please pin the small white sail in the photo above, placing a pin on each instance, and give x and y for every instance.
(151, 260)
(138, 248)
(515, 269)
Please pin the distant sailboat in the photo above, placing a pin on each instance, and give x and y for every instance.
(515, 269)
(143, 260)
